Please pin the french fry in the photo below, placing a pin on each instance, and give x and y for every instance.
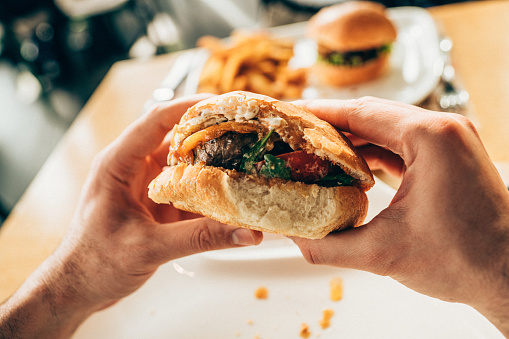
(259, 83)
(240, 83)
(232, 67)
(252, 61)
(210, 71)
(210, 42)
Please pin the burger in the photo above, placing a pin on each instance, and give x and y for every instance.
(252, 161)
(354, 42)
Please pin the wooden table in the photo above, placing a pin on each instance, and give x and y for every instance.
(39, 221)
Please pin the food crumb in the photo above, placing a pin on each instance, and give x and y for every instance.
(327, 315)
(336, 289)
(304, 331)
(261, 293)
(250, 322)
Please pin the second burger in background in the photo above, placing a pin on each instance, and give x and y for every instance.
(354, 42)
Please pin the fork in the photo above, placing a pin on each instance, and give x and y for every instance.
(451, 98)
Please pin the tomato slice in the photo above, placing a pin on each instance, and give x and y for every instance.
(306, 167)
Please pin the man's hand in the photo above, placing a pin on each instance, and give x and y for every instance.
(446, 232)
(118, 237)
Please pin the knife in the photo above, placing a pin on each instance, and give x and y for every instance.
(178, 72)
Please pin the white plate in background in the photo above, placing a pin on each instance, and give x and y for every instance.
(415, 61)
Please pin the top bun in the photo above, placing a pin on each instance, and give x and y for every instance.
(297, 126)
(352, 26)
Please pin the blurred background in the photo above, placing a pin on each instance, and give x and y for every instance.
(54, 53)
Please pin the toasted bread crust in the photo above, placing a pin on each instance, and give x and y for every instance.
(272, 205)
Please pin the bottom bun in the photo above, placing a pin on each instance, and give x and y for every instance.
(349, 75)
(271, 205)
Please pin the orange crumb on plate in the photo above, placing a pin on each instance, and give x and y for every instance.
(327, 315)
(304, 331)
(336, 289)
(261, 293)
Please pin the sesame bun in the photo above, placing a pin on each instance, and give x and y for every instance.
(268, 204)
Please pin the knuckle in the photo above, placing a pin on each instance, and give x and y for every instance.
(310, 254)
(203, 239)
(465, 123)
(364, 103)
(98, 162)
(365, 100)
(449, 125)
(438, 128)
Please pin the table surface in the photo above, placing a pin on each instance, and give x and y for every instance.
(39, 220)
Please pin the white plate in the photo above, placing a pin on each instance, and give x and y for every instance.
(215, 299)
(415, 61)
(212, 296)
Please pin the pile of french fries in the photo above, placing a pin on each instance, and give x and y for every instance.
(251, 61)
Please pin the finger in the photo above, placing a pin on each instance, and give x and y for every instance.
(355, 140)
(381, 159)
(364, 248)
(377, 121)
(160, 155)
(199, 235)
(146, 134)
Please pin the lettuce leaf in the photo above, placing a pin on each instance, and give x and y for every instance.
(333, 180)
(254, 154)
(275, 168)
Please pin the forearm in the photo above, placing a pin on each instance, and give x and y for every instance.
(46, 306)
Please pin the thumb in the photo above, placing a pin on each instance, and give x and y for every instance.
(193, 236)
(364, 248)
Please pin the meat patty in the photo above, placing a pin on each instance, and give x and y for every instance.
(225, 151)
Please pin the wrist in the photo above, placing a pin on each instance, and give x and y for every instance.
(496, 307)
(48, 305)
(498, 315)
(494, 302)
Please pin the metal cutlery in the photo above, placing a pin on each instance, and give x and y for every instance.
(451, 97)
(177, 74)
(194, 74)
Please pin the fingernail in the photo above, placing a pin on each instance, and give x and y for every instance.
(242, 237)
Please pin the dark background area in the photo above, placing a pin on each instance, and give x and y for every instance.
(75, 53)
